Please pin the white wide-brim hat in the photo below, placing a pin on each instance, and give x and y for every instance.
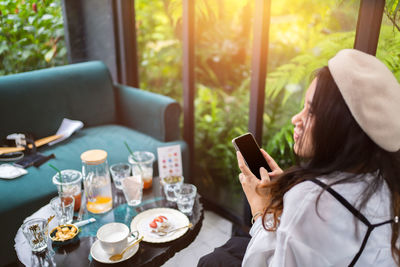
(372, 94)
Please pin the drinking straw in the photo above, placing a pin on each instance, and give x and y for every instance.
(59, 173)
(61, 188)
(129, 149)
(133, 157)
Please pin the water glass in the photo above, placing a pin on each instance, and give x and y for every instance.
(185, 195)
(71, 184)
(133, 190)
(35, 231)
(142, 164)
(169, 185)
(118, 172)
(63, 206)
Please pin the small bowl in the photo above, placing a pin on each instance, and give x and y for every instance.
(172, 179)
(66, 241)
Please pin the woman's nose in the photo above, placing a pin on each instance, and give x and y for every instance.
(296, 119)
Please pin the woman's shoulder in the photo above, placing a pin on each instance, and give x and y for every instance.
(304, 190)
(305, 224)
(350, 188)
(305, 194)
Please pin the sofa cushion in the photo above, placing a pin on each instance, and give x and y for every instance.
(37, 101)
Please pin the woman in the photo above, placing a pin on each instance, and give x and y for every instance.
(339, 205)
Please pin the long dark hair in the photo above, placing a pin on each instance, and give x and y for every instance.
(339, 144)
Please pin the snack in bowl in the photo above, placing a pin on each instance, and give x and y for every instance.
(64, 234)
(160, 224)
(172, 179)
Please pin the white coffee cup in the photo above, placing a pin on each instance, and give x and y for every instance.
(113, 237)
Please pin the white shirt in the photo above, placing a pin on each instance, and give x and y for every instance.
(305, 239)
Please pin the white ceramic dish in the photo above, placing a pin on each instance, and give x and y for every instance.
(100, 255)
(176, 218)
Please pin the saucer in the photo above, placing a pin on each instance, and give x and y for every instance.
(97, 253)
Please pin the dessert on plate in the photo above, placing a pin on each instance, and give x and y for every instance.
(160, 224)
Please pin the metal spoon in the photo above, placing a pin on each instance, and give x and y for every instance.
(117, 257)
(163, 233)
(49, 219)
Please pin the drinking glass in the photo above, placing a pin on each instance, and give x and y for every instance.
(185, 195)
(63, 206)
(169, 185)
(35, 231)
(133, 189)
(142, 164)
(118, 172)
(71, 183)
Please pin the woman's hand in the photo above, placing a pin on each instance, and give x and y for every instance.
(271, 162)
(257, 191)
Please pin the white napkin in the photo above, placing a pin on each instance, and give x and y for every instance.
(8, 171)
(67, 128)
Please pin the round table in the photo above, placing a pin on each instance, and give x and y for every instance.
(78, 253)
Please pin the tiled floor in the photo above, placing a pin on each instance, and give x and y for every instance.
(214, 233)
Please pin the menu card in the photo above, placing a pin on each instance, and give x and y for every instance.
(169, 160)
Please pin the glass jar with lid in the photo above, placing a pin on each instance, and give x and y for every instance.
(96, 180)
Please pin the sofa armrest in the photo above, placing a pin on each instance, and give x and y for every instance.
(149, 113)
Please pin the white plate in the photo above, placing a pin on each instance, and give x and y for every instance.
(176, 218)
(97, 253)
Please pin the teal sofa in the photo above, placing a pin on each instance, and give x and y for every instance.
(36, 102)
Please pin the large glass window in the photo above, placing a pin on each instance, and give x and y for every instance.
(304, 34)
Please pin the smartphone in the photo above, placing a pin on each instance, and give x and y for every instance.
(251, 153)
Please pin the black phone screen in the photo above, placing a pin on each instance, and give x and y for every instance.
(251, 153)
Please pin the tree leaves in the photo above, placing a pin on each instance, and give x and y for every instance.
(392, 8)
(31, 36)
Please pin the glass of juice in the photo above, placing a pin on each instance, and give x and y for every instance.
(142, 164)
(71, 182)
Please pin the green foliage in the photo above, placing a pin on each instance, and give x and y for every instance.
(219, 118)
(218, 48)
(389, 49)
(392, 9)
(159, 50)
(31, 35)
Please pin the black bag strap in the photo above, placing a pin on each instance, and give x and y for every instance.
(356, 213)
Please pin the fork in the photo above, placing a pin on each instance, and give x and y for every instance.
(163, 233)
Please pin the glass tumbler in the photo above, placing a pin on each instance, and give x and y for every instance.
(169, 184)
(71, 183)
(185, 196)
(133, 190)
(118, 172)
(63, 206)
(142, 164)
(35, 231)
